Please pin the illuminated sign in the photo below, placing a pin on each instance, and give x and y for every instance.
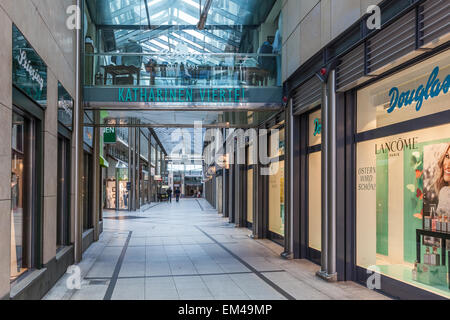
(29, 71)
(182, 95)
(432, 89)
(109, 136)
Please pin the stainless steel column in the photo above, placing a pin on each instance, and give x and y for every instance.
(138, 169)
(150, 152)
(332, 175)
(288, 181)
(328, 257)
(130, 167)
(324, 182)
(97, 195)
(78, 138)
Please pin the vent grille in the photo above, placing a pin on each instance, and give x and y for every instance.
(308, 95)
(392, 43)
(351, 68)
(434, 20)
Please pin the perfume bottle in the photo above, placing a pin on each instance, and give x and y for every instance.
(427, 223)
(426, 256)
(439, 223)
(433, 217)
(447, 219)
(414, 272)
(435, 257)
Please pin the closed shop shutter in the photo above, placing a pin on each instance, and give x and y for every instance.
(307, 96)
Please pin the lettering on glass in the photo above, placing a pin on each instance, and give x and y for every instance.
(23, 61)
(432, 89)
(317, 127)
(233, 95)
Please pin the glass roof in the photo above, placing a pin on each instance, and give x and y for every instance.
(171, 25)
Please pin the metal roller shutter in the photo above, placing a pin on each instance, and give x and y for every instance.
(434, 23)
(307, 96)
(350, 71)
(392, 45)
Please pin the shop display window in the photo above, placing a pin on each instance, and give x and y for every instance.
(276, 199)
(315, 182)
(416, 92)
(403, 186)
(250, 195)
(22, 195)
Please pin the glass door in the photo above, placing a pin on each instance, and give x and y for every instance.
(22, 182)
(63, 203)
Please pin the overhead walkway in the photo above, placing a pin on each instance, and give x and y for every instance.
(187, 251)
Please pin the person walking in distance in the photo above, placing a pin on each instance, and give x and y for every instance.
(169, 194)
(177, 194)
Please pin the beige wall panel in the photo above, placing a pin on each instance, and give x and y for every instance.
(49, 225)
(310, 39)
(50, 164)
(5, 246)
(343, 14)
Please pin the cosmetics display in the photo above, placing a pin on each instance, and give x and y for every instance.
(427, 223)
(433, 217)
(435, 258)
(426, 256)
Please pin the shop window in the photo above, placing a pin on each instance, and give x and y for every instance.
(250, 195)
(315, 200)
(315, 181)
(63, 200)
(403, 185)
(87, 192)
(416, 92)
(279, 150)
(276, 199)
(23, 164)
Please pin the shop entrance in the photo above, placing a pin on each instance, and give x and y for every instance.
(25, 205)
(311, 184)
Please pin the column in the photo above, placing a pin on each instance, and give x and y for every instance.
(96, 196)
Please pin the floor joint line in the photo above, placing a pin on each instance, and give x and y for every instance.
(256, 272)
(115, 276)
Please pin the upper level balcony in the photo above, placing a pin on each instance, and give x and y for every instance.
(170, 70)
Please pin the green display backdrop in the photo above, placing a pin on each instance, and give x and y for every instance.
(382, 203)
(413, 196)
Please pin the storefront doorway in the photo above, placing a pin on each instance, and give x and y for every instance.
(24, 206)
(314, 186)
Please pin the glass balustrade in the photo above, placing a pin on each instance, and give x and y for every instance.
(182, 70)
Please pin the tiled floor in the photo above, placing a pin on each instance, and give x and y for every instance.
(187, 251)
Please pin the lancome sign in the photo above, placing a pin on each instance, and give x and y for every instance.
(29, 71)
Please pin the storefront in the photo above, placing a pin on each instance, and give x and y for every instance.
(116, 185)
(65, 127)
(313, 181)
(403, 175)
(29, 104)
(276, 186)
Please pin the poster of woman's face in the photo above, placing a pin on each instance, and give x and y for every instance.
(436, 181)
